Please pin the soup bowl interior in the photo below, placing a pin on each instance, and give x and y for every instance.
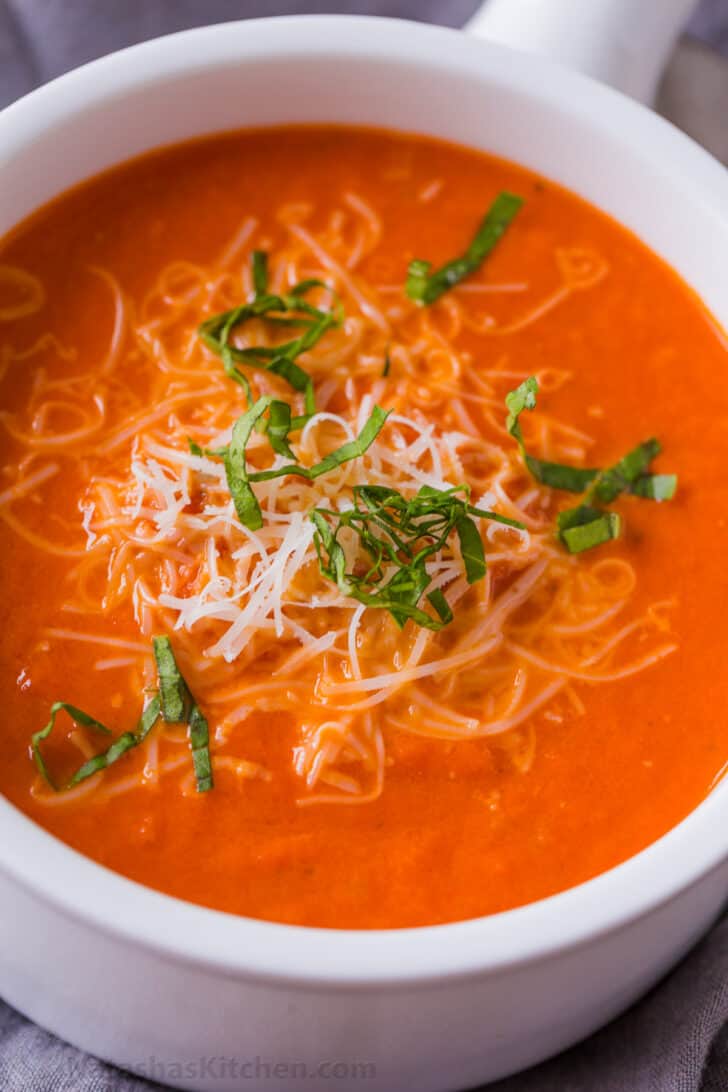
(54, 903)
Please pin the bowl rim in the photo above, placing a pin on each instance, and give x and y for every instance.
(79, 888)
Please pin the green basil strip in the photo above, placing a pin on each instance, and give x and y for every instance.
(522, 398)
(199, 734)
(178, 706)
(79, 716)
(278, 363)
(424, 287)
(471, 548)
(297, 378)
(496, 517)
(621, 477)
(572, 479)
(305, 286)
(440, 605)
(657, 487)
(214, 452)
(418, 273)
(404, 591)
(259, 260)
(101, 761)
(324, 320)
(395, 602)
(353, 449)
(585, 527)
(324, 539)
(278, 427)
(236, 470)
(234, 373)
(174, 696)
(120, 746)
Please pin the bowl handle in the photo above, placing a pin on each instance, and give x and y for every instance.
(625, 43)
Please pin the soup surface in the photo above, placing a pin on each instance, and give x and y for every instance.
(377, 758)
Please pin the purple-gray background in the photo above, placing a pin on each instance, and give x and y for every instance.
(40, 39)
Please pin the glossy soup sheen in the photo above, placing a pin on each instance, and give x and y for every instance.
(458, 830)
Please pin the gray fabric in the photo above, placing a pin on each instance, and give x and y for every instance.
(710, 24)
(676, 1040)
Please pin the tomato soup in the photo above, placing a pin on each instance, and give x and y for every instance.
(362, 514)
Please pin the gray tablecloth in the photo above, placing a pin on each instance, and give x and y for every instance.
(676, 1039)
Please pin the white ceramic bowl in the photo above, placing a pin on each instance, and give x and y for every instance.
(209, 1001)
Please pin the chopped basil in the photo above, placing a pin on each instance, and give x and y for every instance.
(570, 478)
(199, 734)
(277, 427)
(236, 470)
(397, 537)
(106, 758)
(424, 286)
(440, 605)
(178, 706)
(471, 549)
(630, 475)
(586, 526)
(353, 449)
(289, 309)
(174, 703)
(657, 487)
(259, 262)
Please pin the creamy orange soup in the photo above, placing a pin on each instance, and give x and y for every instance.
(347, 749)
